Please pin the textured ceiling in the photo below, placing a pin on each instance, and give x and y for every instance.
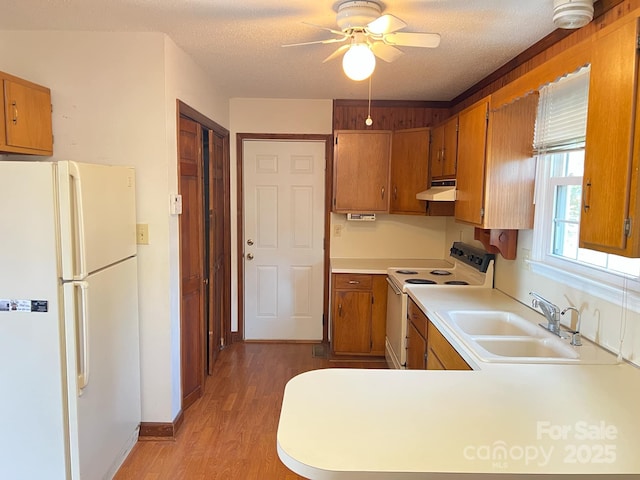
(239, 41)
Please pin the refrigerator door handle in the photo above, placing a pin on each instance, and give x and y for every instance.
(83, 336)
(74, 173)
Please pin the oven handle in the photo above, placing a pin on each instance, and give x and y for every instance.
(393, 286)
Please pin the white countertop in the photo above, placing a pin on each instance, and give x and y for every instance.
(396, 424)
(380, 265)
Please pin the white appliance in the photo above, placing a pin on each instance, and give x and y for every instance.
(69, 340)
(470, 267)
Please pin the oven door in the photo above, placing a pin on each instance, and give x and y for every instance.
(395, 345)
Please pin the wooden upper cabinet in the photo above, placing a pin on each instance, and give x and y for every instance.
(25, 126)
(409, 170)
(361, 171)
(610, 181)
(472, 143)
(496, 166)
(444, 150)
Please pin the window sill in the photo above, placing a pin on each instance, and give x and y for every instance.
(626, 293)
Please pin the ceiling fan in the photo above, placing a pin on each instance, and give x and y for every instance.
(369, 34)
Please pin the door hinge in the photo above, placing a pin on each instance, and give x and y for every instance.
(482, 212)
(638, 42)
(627, 227)
(336, 140)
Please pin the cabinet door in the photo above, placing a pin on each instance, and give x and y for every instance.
(436, 152)
(351, 322)
(409, 170)
(416, 349)
(608, 156)
(472, 142)
(379, 315)
(361, 171)
(27, 117)
(450, 148)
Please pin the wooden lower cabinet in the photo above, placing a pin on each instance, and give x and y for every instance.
(358, 314)
(426, 346)
(440, 354)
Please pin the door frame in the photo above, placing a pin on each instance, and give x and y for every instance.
(328, 186)
(184, 110)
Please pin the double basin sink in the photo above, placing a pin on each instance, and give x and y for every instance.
(502, 336)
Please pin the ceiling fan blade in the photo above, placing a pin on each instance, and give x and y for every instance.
(385, 24)
(385, 52)
(337, 32)
(406, 39)
(329, 40)
(337, 53)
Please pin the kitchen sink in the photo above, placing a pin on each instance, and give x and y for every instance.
(498, 336)
(526, 347)
(492, 323)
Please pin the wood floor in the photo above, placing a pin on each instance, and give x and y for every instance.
(230, 433)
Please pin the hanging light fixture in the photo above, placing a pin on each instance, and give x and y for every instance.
(570, 14)
(359, 62)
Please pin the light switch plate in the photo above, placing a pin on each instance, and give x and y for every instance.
(142, 234)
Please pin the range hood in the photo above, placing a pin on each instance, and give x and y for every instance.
(440, 191)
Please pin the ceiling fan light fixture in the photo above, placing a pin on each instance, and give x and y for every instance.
(571, 14)
(359, 62)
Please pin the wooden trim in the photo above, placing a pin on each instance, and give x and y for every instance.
(393, 103)
(150, 431)
(328, 139)
(196, 116)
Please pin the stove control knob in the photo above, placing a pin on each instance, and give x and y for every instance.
(471, 258)
(478, 260)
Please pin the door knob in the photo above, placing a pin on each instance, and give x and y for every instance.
(249, 256)
(249, 242)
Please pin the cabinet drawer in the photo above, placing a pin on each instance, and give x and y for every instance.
(418, 318)
(352, 281)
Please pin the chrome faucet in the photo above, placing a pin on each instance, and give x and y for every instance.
(576, 340)
(551, 313)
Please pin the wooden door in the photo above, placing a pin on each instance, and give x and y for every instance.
(437, 148)
(361, 171)
(216, 195)
(450, 148)
(192, 326)
(351, 322)
(409, 170)
(608, 153)
(284, 206)
(379, 314)
(472, 141)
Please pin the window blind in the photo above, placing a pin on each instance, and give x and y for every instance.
(561, 122)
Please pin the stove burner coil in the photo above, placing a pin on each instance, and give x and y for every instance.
(440, 272)
(420, 281)
(407, 272)
(456, 282)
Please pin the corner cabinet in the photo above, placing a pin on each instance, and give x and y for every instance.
(496, 166)
(25, 126)
(361, 171)
(358, 314)
(610, 221)
(409, 170)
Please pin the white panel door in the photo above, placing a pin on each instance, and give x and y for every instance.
(283, 239)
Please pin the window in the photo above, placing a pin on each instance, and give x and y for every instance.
(559, 143)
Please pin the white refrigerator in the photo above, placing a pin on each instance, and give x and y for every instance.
(69, 339)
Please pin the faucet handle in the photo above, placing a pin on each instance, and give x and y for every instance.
(576, 339)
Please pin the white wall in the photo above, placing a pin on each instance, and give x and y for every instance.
(114, 102)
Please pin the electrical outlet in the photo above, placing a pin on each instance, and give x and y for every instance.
(142, 234)
(525, 255)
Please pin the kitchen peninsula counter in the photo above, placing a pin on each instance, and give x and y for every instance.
(517, 420)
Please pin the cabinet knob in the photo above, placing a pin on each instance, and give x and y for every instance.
(15, 112)
(382, 193)
(354, 282)
(340, 310)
